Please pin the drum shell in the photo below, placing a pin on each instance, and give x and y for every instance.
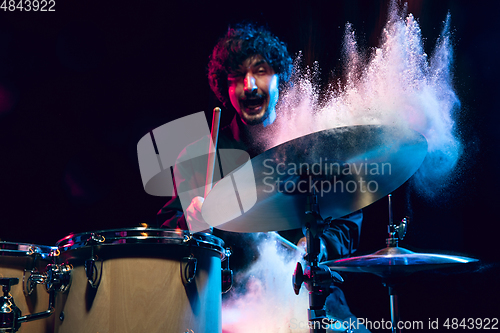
(13, 266)
(141, 290)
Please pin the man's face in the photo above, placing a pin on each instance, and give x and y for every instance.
(253, 91)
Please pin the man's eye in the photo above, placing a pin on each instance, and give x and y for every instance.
(262, 70)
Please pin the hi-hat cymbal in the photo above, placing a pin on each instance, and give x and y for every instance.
(396, 261)
(350, 168)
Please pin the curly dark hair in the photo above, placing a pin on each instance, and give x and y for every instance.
(241, 42)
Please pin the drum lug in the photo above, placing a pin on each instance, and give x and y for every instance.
(227, 273)
(227, 280)
(93, 274)
(188, 269)
(30, 282)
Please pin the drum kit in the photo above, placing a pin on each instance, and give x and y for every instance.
(159, 280)
(123, 280)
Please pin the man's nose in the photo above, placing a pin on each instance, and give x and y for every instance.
(250, 87)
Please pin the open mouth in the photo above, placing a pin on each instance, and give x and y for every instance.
(253, 104)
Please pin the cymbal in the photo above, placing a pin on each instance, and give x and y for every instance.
(396, 261)
(349, 167)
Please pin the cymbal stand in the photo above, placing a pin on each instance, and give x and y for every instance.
(317, 278)
(395, 233)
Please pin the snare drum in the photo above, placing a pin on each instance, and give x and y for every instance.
(18, 260)
(141, 280)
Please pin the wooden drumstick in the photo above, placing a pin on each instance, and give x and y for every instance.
(212, 150)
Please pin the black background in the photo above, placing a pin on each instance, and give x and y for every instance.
(80, 86)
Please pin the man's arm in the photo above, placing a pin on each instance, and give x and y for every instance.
(171, 215)
(341, 238)
(187, 176)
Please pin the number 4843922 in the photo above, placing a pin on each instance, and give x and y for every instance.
(471, 323)
(29, 5)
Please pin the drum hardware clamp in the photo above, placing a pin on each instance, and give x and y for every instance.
(55, 279)
(58, 277)
(9, 312)
(397, 232)
(35, 277)
(93, 274)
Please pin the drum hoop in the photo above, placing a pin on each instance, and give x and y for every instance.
(141, 235)
(12, 249)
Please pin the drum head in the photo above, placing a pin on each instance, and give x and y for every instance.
(145, 236)
(24, 249)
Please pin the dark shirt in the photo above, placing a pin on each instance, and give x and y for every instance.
(341, 237)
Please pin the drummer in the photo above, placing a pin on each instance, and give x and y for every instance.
(247, 70)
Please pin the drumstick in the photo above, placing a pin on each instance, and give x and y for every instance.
(212, 150)
(285, 242)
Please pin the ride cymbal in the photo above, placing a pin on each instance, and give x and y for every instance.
(396, 261)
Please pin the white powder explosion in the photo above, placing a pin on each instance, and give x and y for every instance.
(396, 84)
(269, 303)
